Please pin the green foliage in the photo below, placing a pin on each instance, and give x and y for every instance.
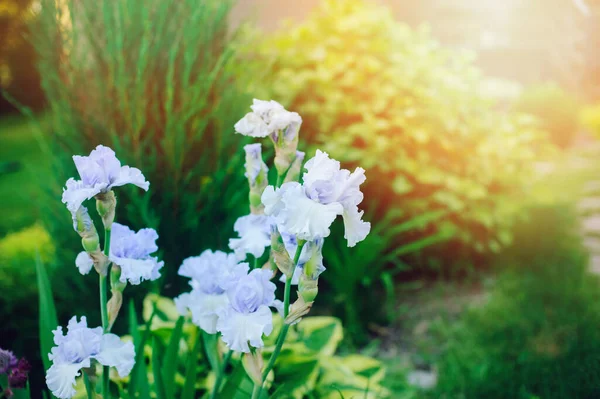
(360, 280)
(161, 85)
(536, 335)
(380, 95)
(556, 110)
(307, 366)
(21, 253)
(309, 352)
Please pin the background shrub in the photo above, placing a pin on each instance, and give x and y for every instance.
(376, 93)
(536, 335)
(556, 110)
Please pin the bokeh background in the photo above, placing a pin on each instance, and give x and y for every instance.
(477, 121)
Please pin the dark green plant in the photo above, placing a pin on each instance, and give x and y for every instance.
(536, 335)
(360, 280)
(161, 85)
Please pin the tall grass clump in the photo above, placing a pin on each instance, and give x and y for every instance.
(161, 83)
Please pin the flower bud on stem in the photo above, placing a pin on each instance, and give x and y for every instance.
(105, 205)
(116, 299)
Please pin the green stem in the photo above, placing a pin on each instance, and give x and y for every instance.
(88, 386)
(104, 313)
(284, 329)
(220, 375)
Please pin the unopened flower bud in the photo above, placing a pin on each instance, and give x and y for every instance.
(113, 306)
(253, 364)
(116, 288)
(256, 172)
(293, 173)
(280, 255)
(308, 288)
(105, 205)
(314, 266)
(286, 142)
(84, 226)
(299, 309)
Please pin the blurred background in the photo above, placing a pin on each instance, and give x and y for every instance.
(477, 121)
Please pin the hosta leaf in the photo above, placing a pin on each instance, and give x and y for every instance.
(296, 374)
(166, 312)
(321, 334)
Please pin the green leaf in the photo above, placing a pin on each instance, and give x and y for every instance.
(170, 363)
(420, 244)
(165, 312)
(191, 369)
(211, 348)
(139, 377)
(157, 351)
(239, 385)
(296, 374)
(47, 317)
(321, 334)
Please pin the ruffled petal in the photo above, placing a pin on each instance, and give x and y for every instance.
(271, 198)
(182, 303)
(252, 125)
(107, 160)
(116, 353)
(355, 228)
(76, 192)
(60, 378)
(264, 108)
(135, 271)
(204, 308)
(84, 262)
(320, 167)
(129, 175)
(90, 172)
(255, 235)
(305, 218)
(239, 329)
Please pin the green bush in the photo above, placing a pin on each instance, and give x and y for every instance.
(161, 85)
(376, 93)
(536, 335)
(557, 111)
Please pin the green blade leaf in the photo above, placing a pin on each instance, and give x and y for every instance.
(47, 317)
(169, 366)
(138, 383)
(191, 370)
(159, 387)
(211, 342)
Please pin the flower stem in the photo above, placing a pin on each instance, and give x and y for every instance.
(220, 375)
(88, 386)
(104, 313)
(284, 329)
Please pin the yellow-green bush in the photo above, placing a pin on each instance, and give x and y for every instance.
(590, 119)
(556, 110)
(18, 252)
(376, 93)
